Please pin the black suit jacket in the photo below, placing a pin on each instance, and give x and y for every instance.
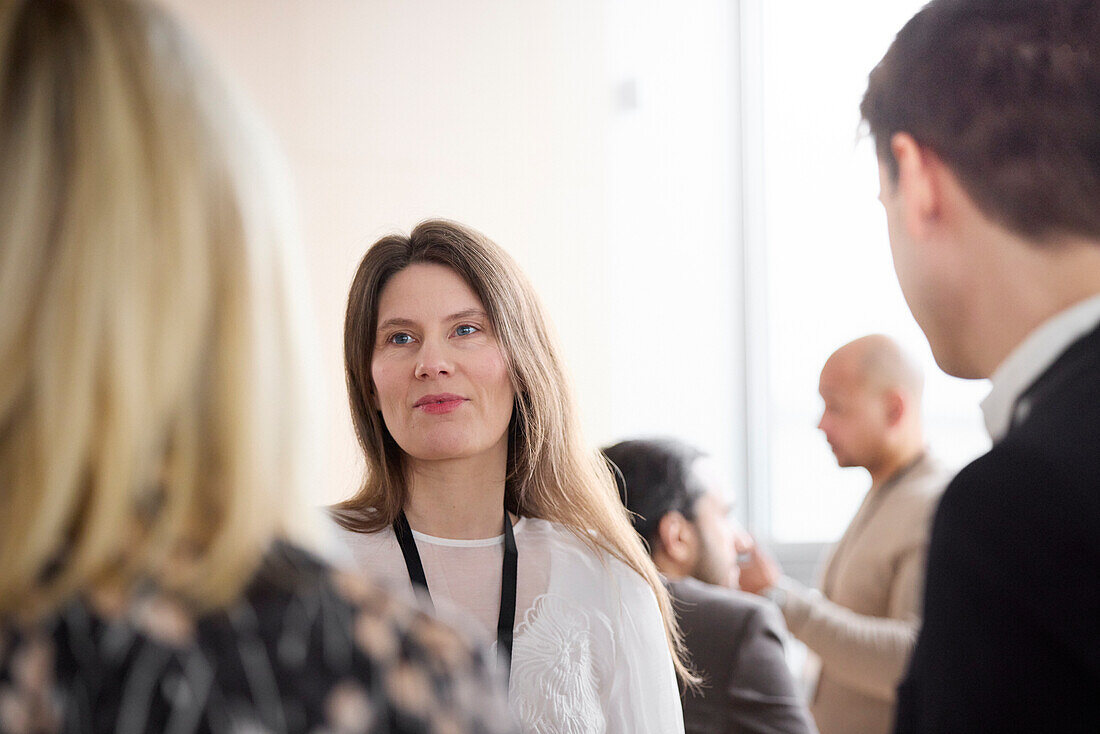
(735, 642)
(1011, 635)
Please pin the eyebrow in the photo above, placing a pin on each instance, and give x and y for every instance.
(408, 323)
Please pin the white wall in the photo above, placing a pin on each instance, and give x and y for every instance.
(515, 118)
(825, 265)
(672, 243)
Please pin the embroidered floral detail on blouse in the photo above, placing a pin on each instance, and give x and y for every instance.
(553, 656)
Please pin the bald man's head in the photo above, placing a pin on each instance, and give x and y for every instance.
(872, 392)
(879, 363)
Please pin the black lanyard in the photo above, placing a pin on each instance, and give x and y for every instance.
(506, 619)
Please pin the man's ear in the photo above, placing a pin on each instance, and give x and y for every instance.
(895, 406)
(919, 185)
(677, 536)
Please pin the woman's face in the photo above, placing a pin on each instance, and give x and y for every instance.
(439, 375)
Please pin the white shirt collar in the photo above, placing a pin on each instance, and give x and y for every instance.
(1030, 359)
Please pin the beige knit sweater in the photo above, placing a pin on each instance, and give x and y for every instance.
(864, 621)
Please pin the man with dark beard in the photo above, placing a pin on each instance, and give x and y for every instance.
(735, 639)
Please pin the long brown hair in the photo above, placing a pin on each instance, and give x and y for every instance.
(551, 474)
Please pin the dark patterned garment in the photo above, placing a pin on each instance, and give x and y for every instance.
(305, 650)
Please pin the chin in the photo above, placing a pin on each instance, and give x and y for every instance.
(441, 452)
(449, 444)
(844, 462)
(950, 336)
(954, 360)
(450, 441)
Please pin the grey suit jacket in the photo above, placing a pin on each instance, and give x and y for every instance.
(735, 641)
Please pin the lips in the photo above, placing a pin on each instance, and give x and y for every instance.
(440, 403)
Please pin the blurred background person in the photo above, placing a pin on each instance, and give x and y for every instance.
(863, 622)
(479, 489)
(986, 121)
(154, 423)
(735, 639)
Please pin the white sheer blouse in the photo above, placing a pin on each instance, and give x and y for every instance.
(589, 654)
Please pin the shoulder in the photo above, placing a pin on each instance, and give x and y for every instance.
(375, 555)
(559, 536)
(321, 643)
(923, 486)
(345, 628)
(1010, 473)
(1061, 412)
(908, 507)
(1059, 428)
(991, 483)
(1023, 479)
(707, 605)
(736, 641)
(359, 541)
(1020, 512)
(589, 573)
(570, 554)
(700, 594)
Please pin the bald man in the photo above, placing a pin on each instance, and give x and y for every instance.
(863, 622)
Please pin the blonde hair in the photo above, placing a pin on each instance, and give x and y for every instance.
(551, 474)
(152, 414)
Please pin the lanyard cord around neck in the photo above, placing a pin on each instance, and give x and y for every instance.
(507, 617)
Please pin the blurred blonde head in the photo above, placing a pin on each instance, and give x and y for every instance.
(153, 422)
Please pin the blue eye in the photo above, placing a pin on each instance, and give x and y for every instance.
(466, 330)
(400, 338)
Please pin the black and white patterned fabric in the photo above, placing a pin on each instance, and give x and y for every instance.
(306, 649)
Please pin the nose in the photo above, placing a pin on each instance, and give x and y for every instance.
(432, 362)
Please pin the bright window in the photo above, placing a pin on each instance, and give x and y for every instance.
(818, 262)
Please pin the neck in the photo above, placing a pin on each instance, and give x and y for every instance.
(1027, 285)
(894, 462)
(462, 499)
(668, 567)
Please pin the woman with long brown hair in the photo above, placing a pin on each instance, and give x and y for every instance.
(480, 493)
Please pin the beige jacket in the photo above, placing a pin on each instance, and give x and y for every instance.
(864, 621)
